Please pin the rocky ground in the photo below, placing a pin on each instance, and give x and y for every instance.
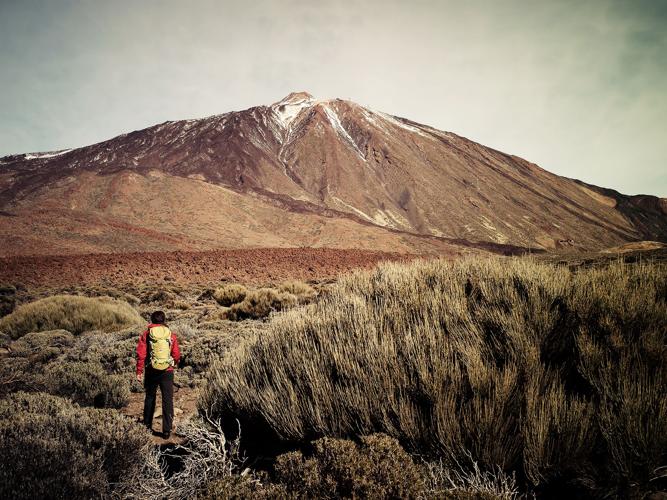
(252, 266)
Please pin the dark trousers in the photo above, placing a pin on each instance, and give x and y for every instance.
(165, 380)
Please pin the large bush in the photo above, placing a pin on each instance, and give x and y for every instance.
(555, 374)
(72, 313)
(51, 448)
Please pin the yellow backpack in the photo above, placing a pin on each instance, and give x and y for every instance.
(159, 338)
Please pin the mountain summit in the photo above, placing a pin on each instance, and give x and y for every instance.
(304, 172)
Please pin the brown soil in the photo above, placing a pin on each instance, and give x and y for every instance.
(251, 266)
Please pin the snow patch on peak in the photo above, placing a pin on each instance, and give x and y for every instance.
(294, 98)
(50, 154)
(289, 108)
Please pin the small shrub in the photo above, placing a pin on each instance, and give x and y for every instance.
(230, 294)
(72, 313)
(336, 468)
(17, 374)
(218, 314)
(42, 346)
(205, 294)
(200, 353)
(186, 330)
(87, 384)
(241, 487)
(161, 296)
(5, 341)
(260, 303)
(183, 305)
(7, 305)
(114, 351)
(303, 291)
(51, 448)
(6, 290)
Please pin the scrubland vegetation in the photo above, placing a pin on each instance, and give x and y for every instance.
(473, 379)
(51, 448)
(557, 376)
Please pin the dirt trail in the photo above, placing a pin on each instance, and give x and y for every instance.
(185, 405)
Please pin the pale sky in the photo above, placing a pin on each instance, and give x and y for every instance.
(578, 87)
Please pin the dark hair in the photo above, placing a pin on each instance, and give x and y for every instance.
(158, 318)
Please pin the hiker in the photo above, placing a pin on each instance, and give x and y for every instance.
(160, 346)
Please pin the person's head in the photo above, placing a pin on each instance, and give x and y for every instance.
(158, 318)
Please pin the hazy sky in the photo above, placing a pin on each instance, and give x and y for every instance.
(579, 87)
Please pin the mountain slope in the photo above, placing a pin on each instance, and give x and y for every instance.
(304, 172)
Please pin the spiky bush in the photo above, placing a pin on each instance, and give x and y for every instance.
(72, 313)
(555, 374)
(230, 294)
(51, 448)
(303, 291)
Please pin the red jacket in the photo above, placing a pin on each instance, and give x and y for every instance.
(142, 350)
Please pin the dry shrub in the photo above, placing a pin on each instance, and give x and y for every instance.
(230, 294)
(5, 341)
(208, 347)
(162, 296)
(7, 299)
(115, 352)
(337, 468)
(260, 303)
(183, 305)
(42, 346)
(87, 384)
(303, 291)
(7, 304)
(240, 488)
(51, 448)
(17, 374)
(72, 313)
(463, 482)
(211, 467)
(105, 291)
(82, 368)
(558, 375)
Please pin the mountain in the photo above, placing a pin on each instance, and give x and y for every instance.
(305, 172)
